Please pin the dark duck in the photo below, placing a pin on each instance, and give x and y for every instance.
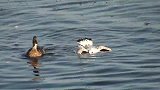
(35, 51)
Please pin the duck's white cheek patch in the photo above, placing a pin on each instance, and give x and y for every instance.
(35, 46)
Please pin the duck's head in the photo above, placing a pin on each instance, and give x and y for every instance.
(35, 41)
(104, 48)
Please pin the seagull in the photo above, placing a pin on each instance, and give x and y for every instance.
(85, 45)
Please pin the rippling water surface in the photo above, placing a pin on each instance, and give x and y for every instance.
(129, 27)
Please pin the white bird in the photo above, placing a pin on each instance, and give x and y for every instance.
(85, 45)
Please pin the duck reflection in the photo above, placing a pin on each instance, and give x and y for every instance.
(34, 54)
(35, 63)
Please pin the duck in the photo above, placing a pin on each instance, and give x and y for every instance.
(85, 46)
(35, 51)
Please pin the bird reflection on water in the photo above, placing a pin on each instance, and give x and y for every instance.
(35, 63)
(34, 55)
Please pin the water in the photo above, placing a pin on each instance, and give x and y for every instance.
(129, 27)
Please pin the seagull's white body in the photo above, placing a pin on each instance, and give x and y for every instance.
(85, 45)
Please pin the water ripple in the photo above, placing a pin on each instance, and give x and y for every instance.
(130, 28)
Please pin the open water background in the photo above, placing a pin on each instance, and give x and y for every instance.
(130, 27)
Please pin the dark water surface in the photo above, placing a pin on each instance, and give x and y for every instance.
(130, 27)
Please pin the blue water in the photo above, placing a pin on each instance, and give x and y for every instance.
(130, 27)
